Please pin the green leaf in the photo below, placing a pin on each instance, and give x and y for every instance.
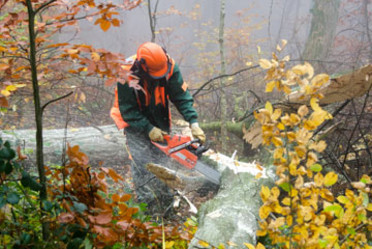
(285, 186)
(7, 153)
(323, 243)
(362, 217)
(34, 185)
(365, 199)
(350, 230)
(316, 167)
(75, 243)
(337, 209)
(47, 205)
(79, 207)
(13, 198)
(25, 238)
(2, 201)
(88, 244)
(2, 166)
(26, 179)
(8, 168)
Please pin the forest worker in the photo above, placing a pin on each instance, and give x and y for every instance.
(142, 108)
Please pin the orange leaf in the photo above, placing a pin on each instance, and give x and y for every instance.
(20, 156)
(114, 175)
(115, 197)
(103, 218)
(125, 197)
(3, 102)
(115, 22)
(65, 217)
(105, 25)
(3, 66)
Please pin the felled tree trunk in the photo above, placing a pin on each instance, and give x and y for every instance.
(102, 144)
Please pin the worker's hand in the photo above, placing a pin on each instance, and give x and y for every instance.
(156, 135)
(197, 132)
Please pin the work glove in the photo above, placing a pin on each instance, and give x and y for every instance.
(197, 132)
(156, 135)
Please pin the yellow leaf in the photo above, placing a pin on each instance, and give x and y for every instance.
(303, 110)
(265, 64)
(95, 56)
(72, 51)
(277, 113)
(169, 244)
(20, 85)
(369, 207)
(278, 153)
(280, 126)
(203, 243)
(342, 199)
(248, 64)
(5, 93)
(319, 146)
(270, 86)
(286, 201)
(309, 125)
(300, 150)
(286, 58)
(277, 141)
(358, 185)
(264, 212)
(318, 179)
(314, 104)
(309, 70)
(330, 179)
(284, 43)
(260, 246)
(278, 48)
(294, 119)
(269, 107)
(299, 182)
(299, 69)
(249, 246)
(319, 80)
(258, 49)
(258, 176)
(230, 243)
(275, 192)
(11, 88)
(265, 193)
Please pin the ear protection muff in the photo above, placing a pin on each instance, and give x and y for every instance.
(143, 69)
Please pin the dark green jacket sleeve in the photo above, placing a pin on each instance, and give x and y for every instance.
(180, 98)
(130, 110)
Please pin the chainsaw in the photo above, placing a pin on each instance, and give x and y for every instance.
(187, 152)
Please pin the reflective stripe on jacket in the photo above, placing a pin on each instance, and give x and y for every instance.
(148, 108)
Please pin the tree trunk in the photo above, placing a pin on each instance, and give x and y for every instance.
(223, 103)
(38, 111)
(322, 31)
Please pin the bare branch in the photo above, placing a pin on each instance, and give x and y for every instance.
(54, 100)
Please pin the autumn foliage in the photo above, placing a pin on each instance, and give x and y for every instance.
(301, 211)
(89, 203)
(84, 207)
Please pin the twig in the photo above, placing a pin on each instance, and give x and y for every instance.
(54, 100)
(223, 76)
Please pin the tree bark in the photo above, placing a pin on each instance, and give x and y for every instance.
(322, 31)
(38, 111)
(223, 102)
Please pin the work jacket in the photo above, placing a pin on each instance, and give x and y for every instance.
(148, 107)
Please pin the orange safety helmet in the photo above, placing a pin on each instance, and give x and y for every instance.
(153, 59)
